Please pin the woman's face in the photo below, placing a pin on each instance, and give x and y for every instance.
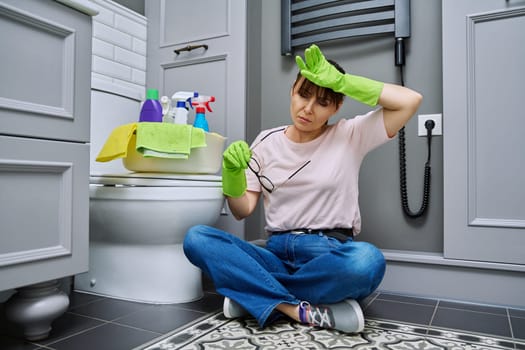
(309, 109)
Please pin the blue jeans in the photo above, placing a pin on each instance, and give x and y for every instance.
(292, 268)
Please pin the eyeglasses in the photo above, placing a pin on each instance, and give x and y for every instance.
(255, 167)
(265, 181)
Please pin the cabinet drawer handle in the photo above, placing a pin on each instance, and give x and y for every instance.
(190, 48)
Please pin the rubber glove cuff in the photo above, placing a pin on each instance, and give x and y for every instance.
(360, 89)
(233, 182)
(234, 162)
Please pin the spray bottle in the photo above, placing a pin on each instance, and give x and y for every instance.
(202, 102)
(181, 100)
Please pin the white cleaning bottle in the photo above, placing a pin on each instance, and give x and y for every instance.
(181, 100)
(167, 116)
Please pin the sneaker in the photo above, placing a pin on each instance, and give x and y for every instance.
(345, 316)
(232, 309)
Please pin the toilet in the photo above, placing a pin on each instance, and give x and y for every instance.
(137, 226)
(138, 220)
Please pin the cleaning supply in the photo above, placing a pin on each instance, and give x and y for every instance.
(321, 72)
(200, 119)
(116, 145)
(166, 140)
(167, 115)
(202, 102)
(151, 110)
(182, 99)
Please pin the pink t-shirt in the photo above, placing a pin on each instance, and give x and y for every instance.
(323, 193)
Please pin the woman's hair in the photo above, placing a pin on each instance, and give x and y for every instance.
(324, 93)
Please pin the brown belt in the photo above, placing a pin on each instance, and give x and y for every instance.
(341, 234)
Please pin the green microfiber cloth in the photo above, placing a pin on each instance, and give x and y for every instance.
(167, 140)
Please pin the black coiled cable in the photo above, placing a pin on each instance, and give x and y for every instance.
(429, 125)
(403, 176)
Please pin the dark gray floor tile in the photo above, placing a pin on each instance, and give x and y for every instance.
(407, 299)
(86, 325)
(12, 343)
(518, 327)
(471, 321)
(77, 299)
(106, 337)
(517, 313)
(160, 318)
(69, 324)
(404, 312)
(108, 309)
(366, 301)
(211, 302)
(473, 307)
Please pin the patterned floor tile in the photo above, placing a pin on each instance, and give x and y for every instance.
(217, 332)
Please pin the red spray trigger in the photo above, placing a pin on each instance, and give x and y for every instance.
(212, 99)
(203, 101)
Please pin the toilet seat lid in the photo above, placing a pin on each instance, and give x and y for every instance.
(157, 180)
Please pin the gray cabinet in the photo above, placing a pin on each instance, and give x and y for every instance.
(483, 72)
(45, 67)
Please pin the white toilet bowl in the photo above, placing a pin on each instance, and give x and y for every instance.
(137, 225)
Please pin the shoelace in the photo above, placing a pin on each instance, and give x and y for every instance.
(315, 315)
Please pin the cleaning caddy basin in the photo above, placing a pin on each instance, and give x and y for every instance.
(202, 160)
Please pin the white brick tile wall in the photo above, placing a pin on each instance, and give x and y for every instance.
(130, 58)
(111, 35)
(125, 84)
(105, 15)
(119, 50)
(130, 26)
(111, 68)
(138, 77)
(102, 48)
(101, 77)
(139, 46)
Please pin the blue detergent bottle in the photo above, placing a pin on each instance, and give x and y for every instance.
(151, 110)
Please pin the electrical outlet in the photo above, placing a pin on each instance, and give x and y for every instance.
(422, 131)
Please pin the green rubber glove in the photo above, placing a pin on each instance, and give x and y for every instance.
(321, 72)
(234, 162)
